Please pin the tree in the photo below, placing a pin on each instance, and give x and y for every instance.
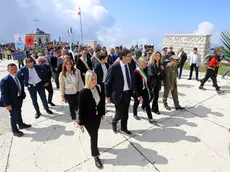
(225, 38)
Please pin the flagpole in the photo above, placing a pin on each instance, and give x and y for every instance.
(81, 26)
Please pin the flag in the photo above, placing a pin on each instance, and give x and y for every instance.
(70, 31)
(19, 42)
(79, 12)
(30, 41)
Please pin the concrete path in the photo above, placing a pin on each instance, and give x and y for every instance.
(195, 140)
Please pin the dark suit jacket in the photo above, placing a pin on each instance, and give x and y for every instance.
(114, 83)
(87, 107)
(82, 67)
(53, 63)
(9, 92)
(24, 73)
(99, 71)
(183, 58)
(138, 84)
(48, 72)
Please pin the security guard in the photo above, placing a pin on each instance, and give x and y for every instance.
(170, 83)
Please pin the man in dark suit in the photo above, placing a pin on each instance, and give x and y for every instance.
(47, 79)
(33, 77)
(101, 70)
(12, 95)
(183, 57)
(118, 84)
(84, 64)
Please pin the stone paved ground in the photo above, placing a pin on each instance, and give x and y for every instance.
(195, 140)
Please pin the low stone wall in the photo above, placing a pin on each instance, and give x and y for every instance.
(188, 42)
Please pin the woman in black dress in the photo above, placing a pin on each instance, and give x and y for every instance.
(91, 111)
(155, 69)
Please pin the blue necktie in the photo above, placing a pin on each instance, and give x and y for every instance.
(18, 85)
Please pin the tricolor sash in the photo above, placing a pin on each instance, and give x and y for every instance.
(144, 78)
(143, 75)
(135, 60)
(84, 63)
(117, 60)
(97, 58)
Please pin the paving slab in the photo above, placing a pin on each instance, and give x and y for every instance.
(196, 139)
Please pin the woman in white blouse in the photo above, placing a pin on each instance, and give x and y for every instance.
(70, 86)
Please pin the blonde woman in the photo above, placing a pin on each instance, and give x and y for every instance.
(91, 111)
(155, 69)
(70, 86)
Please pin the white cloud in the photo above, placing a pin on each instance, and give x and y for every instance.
(205, 28)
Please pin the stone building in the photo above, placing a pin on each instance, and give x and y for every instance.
(188, 42)
(40, 36)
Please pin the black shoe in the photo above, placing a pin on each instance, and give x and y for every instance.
(49, 111)
(220, 91)
(189, 78)
(151, 121)
(136, 117)
(167, 107)
(198, 80)
(38, 114)
(98, 162)
(201, 88)
(180, 108)
(126, 132)
(156, 112)
(23, 126)
(51, 103)
(18, 133)
(114, 127)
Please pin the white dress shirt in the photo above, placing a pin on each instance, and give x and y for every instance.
(17, 83)
(179, 54)
(33, 76)
(104, 71)
(126, 86)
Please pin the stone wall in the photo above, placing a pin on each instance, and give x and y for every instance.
(188, 42)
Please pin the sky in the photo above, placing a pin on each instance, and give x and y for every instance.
(112, 23)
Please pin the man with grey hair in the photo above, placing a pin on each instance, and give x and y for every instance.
(182, 59)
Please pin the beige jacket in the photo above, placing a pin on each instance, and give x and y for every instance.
(68, 87)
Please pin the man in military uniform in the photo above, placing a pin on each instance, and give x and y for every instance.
(170, 83)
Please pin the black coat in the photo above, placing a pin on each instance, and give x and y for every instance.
(183, 58)
(87, 107)
(138, 84)
(48, 73)
(99, 71)
(154, 76)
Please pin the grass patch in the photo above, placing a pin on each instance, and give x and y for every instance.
(221, 70)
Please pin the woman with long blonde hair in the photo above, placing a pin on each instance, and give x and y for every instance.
(155, 69)
(92, 111)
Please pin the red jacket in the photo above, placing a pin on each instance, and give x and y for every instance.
(213, 62)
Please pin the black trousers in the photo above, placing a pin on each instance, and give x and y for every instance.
(155, 97)
(180, 68)
(56, 78)
(191, 70)
(72, 99)
(8, 57)
(92, 129)
(122, 110)
(20, 63)
(145, 97)
(50, 90)
(210, 74)
(16, 116)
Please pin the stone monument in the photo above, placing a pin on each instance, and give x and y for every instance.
(188, 42)
(92, 44)
(40, 36)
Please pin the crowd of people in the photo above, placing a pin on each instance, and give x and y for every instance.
(89, 78)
